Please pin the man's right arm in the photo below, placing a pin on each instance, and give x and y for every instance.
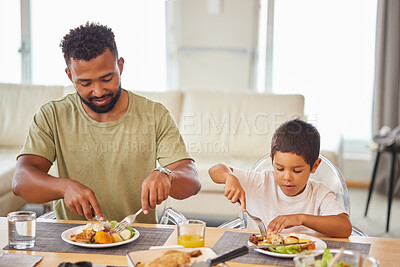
(32, 183)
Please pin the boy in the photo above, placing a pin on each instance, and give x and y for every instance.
(285, 198)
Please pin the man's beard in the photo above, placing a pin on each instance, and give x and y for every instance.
(105, 108)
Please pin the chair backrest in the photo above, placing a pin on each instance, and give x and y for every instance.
(169, 214)
(326, 173)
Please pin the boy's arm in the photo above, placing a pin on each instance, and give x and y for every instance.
(330, 225)
(222, 174)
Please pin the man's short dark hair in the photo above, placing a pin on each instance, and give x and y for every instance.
(87, 42)
(299, 137)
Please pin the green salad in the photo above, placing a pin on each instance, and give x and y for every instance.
(326, 258)
(293, 249)
(124, 234)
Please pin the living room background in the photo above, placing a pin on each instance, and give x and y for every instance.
(321, 49)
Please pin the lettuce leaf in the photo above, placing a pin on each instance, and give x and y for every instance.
(293, 249)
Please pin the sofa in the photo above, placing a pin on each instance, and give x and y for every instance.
(232, 128)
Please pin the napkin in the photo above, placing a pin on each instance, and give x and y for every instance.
(20, 260)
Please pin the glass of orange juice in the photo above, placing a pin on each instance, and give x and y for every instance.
(191, 233)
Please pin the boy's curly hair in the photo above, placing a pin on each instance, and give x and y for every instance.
(299, 137)
(87, 42)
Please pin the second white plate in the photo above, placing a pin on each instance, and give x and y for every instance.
(319, 244)
(66, 236)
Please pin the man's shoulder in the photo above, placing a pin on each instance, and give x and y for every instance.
(144, 103)
(66, 100)
(64, 105)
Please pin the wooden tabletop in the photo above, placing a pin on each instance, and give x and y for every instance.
(386, 250)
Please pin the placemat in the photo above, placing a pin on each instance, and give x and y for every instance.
(231, 240)
(48, 238)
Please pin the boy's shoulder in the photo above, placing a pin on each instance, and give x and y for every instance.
(318, 187)
(247, 175)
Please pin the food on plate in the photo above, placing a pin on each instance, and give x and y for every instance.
(103, 237)
(273, 238)
(102, 233)
(172, 258)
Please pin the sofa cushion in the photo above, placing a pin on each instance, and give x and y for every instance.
(8, 202)
(18, 104)
(7, 167)
(234, 124)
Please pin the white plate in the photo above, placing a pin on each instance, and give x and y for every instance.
(319, 244)
(66, 236)
(145, 256)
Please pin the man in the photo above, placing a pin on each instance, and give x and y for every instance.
(106, 140)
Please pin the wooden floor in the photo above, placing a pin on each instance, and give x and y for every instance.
(375, 222)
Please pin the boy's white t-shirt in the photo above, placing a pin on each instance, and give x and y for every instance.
(265, 199)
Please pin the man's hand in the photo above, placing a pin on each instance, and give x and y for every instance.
(285, 221)
(155, 189)
(31, 180)
(82, 200)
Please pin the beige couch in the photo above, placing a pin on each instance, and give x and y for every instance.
(233, 128)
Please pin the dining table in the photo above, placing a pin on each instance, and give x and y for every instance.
(53, 251)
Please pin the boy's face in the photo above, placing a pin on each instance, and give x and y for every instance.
(292, 172)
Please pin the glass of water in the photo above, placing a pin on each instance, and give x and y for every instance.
(21, 229)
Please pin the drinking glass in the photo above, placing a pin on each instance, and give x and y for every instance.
(21, 229)
(310, 258)
(191, 233)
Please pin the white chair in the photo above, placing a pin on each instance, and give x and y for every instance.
(169, 214)
(326, 173)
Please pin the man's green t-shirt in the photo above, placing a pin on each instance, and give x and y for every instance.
(112, 158)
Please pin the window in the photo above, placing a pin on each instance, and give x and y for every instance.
(324, 50)
(139, 27)
(10, 59)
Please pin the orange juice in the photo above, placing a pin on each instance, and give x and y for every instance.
(191, 241)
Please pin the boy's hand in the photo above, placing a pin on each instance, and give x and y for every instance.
(285, 221)
(234, 191)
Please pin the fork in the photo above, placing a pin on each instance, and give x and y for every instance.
(127, 221)
(259, 223)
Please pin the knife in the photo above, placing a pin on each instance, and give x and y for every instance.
(223, 257)
(240, 252)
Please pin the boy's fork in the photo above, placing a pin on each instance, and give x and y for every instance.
(127, 221)
(259, 223)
